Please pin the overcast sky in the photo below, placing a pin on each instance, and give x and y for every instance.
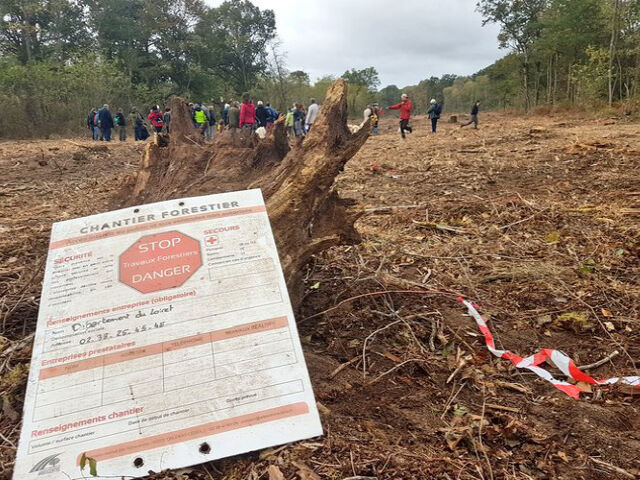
(405, 40)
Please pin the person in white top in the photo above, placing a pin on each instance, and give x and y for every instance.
(312, 114)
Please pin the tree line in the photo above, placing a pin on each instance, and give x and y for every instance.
(58, 58)
(571, 53)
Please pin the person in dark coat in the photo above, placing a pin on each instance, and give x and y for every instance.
(262, 115)
(474, 116)
(167, 119)
(434, 112)
(121, 123)
(105, 120)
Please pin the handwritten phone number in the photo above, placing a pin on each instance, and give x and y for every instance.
(121, 333)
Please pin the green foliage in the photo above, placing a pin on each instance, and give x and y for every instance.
(362, 88)
(231, 41)
(93, 464)
(46, 97)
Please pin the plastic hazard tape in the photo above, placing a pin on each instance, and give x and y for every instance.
(557, 358)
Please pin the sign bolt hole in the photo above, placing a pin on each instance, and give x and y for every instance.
(138, 462)
(205, 448)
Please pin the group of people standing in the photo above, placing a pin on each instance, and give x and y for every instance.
(405, 107)
(298, 119)
(233, 116)
(101, 122)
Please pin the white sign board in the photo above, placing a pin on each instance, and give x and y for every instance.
(165, 338)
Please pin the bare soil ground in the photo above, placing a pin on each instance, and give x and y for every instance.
(535, 219)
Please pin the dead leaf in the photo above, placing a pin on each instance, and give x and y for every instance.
(275, 473)
(322, 409)
(305, 473)
(585, 387)
(606, 313)
(610, 326)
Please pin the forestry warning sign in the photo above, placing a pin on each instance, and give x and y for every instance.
(165, 338)
(161, 261)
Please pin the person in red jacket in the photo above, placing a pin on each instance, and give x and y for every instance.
(405, 114)
(247, 112)
(157, 119)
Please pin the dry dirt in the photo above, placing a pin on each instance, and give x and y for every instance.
(535, 219)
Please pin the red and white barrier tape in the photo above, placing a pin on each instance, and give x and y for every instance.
(559, 359)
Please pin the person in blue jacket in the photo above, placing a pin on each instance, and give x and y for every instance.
(105, 120)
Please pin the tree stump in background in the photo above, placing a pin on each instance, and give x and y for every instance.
(453, 119)
(307, 215)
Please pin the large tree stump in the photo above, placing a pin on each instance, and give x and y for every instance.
(306, 213)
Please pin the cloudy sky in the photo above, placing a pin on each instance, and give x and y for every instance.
(405, 40)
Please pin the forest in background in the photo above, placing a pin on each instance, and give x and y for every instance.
(58, 58)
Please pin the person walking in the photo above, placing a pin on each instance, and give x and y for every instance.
(474, 116)
(156, 118)
(405, 114)
(121, 123)
(105, 120)
(92, 124)
(434, 112)
(312, 114)
(262, 115)
(234, 117)
(247, 112)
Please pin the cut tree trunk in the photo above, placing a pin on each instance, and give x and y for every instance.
(306, 213)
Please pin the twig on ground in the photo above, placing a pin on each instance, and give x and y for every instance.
(613, 354)
(377, 294)
(343, 366)
(411, 360)
(364, 346)
(391, 208)
(493, 406)
(524, 219)
(618, 470)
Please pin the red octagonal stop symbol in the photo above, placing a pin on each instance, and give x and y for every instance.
(161, 261)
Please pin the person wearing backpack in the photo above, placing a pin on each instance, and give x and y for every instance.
(434, 112)
(121, 123)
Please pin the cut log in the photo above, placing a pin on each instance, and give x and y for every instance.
(453, 119)
(306, 213)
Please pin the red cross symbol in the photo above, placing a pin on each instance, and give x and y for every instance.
(212, 240)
